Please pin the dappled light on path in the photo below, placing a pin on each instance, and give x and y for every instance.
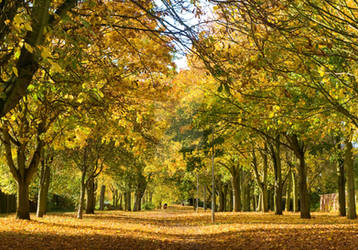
(179, 228)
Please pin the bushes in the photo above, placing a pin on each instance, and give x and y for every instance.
(148, 206)
(60, 203)
(7, 203)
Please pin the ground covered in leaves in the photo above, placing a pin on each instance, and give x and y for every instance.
(179, 228)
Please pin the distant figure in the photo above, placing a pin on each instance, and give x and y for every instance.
(165, 206)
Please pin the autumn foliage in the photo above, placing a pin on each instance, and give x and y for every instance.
(96, 114)
(179, 228)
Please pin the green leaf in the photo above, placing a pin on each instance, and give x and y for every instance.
(17, 53)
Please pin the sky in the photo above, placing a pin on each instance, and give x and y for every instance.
(190, 20)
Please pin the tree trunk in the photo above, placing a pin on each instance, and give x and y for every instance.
(299, 150)
(101, 198)
(22, 174)
(254, 201)
(43, 190)
(141, 186)
(138, 198)
(304, 201)
(248, 197)
(197, 192)
(276, 160)
(231, 200)
(288, 194)
(144, 198)
(264, 199)
(151, 197)
(22, 201)
(127, 197)
(225, 191)
(245, 191)
(204, 197)
(213, 185)
(348, 164)
(271, 198)
(120, 201)
(341, 188)
(90, 205)
(236, 189)
(294, 192)
(264, 206)
(82, 196)
(115, 198)
(137, 201)
(259, 204)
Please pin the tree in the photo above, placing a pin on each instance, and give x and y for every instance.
(45, 177)
(23, 130)
(23, 32)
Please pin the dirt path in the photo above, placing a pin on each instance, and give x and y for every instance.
(179, 228)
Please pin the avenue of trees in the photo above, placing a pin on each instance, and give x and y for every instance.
(93, 108)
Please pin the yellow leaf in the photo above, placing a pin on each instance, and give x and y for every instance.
(27, 26)
(56, 68)
(14, 69)
(45, 52)
(321, 71)
(29, 48)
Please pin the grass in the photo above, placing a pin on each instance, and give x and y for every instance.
(179, 228)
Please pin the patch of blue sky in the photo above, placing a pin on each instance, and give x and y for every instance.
(183, 21)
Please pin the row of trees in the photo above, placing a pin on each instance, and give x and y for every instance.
(286, 101)
(81, 82)
(269, 98)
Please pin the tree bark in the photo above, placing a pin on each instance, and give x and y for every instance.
(299, 150)
(204, 197)
(247, 204)
(120, 201)
(341, 188)
(259, 204)
(151, 197)
(127, 197)
(262, 184)
(276, 160)
(197, 192)
(144, 198)
(101, 198)
(213, 185)
(264, 199)
(43, 189)
(269, 199)
(304, 201)
(254, 202)
(22, 202)
(288, 194)
(82, 195)
(115, 198)
(225, 192)
(141, 186)
(348, 165)
(245, 191)
(236, 189)
(231, 200)
(90, 205)
(294, 192)
(137, 203)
